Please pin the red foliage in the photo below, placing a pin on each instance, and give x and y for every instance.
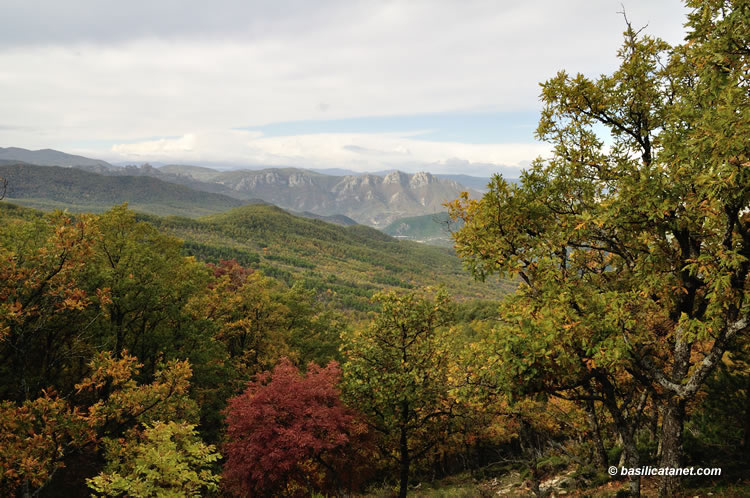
(289, 432)
(236, 272)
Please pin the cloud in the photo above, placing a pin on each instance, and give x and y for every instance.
(85, 72)
(113, 21)
(374, 152)
(359, 152)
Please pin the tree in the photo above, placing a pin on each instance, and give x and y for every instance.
(397, 374)
(38, 436)
(35, 436)
(289, 434)
(634, 252)
(70, 288)
(41, 296)
(149, 284)
(250, 323)
(163, 460)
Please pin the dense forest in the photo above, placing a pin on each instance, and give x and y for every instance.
(256, 353)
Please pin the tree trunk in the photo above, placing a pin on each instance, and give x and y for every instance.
(404, 450)
(536, 478)
(404, 461)
(671, 444)
(746, 435)
(632, 460)
(630, 456)
(653, 426)
(600, 452)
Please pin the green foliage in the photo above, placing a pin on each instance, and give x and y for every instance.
(634, 255)
(362, 260)
(214, 254)
(38, 435)
(398, 374)
(162, 460)
(147, 285)
(41, 298)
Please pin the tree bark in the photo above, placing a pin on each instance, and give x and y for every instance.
(632, 459)
(623, 423)
(671, 444)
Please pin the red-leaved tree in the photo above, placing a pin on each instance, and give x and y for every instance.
(289, 434)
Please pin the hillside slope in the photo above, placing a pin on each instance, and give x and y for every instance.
(345, 264)
(53, 187)
(434, 229)
(50, 157)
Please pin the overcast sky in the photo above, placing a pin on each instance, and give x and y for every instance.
(448, 86)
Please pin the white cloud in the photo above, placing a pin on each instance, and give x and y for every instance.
(360, 152)
(104, 78)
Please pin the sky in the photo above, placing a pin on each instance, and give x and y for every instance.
(443, 86)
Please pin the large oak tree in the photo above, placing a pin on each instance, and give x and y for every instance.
(632, 240)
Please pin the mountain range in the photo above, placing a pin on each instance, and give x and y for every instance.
(50, 157)
(368, 199)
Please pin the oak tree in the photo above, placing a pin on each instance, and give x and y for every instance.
(632, 240)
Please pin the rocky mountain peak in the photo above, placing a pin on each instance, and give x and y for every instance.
(395, 177)
(421, 179)
(368, 179)
(299, 179)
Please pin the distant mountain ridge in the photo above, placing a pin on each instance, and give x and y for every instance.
(369, 199)
(50, 157)
(364, 198)
(476, 182)
(55, 187)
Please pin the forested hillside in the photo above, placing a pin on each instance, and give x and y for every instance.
(49, 157)
(108, 328)
(53, 187)
(347, 263)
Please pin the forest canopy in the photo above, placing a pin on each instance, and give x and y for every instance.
(255, 353)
